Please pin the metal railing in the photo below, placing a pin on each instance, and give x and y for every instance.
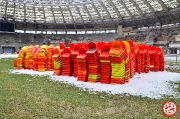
(172, 58)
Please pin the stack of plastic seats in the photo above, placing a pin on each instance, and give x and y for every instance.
(154, 59)
(82, 65)
(161, 59)
(117, 63)
(35, 63)
(21, 56)
(71, 46)
(99, 45)
(57, 62)
(31, 60)
(74, 54)
(147, 59)
(67, 64)
(62, 47)
(105, 74)
(132, 58)
(93, 63)
(136, 50)
(138, 60)
(35, 57)
(42, 59)
(156, 68)
(49, 57)
(127, 50)
(15, 63)
(142, 57)
(27, 57)
(85, 45)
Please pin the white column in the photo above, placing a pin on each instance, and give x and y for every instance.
(178, 51)
(119, 30)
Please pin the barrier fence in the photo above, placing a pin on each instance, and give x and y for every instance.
(172, 58)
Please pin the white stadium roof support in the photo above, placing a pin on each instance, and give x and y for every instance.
(89, 13)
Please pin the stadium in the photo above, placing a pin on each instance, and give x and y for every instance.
(61, 33)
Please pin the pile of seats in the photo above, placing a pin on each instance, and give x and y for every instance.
(114, 62)
(57, 61)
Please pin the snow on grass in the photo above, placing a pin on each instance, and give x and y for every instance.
(8, 56)
(152, 85)
(172, 67)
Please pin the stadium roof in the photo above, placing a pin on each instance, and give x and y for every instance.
(88, 14)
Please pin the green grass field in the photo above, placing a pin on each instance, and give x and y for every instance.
(23, 96)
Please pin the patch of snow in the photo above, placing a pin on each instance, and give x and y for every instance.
(152, 84)
(172, 67)
(8, 56)
(32, 72)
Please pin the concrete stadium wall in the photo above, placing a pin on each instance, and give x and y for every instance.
(18, 40)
